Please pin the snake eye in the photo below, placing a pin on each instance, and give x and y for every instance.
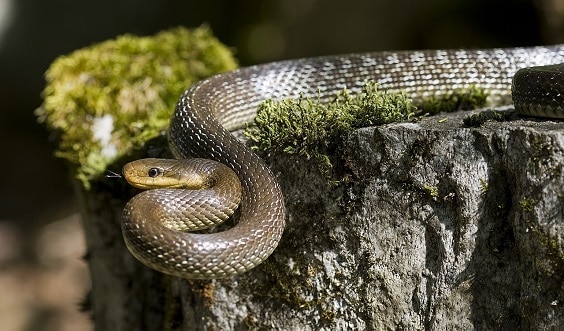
(154, 172)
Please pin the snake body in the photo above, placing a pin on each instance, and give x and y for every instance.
(209, 110)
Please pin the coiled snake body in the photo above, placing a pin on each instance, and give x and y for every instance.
(208, 111)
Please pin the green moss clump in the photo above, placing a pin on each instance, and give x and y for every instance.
(459, 99)
(104, 100)
(310, 128)
(315, 130)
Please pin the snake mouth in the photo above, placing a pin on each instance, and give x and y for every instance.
(141, 185)
(137, 177)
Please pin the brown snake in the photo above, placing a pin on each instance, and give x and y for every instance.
(209, 110)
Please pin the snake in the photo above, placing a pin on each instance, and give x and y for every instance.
(156, 223)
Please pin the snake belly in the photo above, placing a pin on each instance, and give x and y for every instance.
(209, 110)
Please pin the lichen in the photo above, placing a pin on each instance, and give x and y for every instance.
(105, 100)
(315, 130)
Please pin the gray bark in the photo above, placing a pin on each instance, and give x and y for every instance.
(438, 227)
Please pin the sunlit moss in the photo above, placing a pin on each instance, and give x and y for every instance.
(484, 186)
(104, 100)
(432, 191)
(313, 129)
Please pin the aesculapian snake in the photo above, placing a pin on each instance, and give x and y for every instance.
(155, 220)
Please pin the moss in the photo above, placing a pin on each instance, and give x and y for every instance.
(477, 120)
(290, 287)
(316, 130)
(295, 288)
(312, 129)
(527, 204)
(484, 187)
(432, 191)
(104, 100)
(550, 259)
(459, 99)
(553, 263)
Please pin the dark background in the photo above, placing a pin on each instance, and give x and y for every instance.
(35, 187)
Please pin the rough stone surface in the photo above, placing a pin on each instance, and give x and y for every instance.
(438, 227)
(125, 294)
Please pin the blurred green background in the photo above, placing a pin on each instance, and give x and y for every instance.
(35, 186)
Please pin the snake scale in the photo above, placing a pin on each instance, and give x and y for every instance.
(209, 110)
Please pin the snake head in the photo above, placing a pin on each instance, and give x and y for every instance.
(154, 173)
